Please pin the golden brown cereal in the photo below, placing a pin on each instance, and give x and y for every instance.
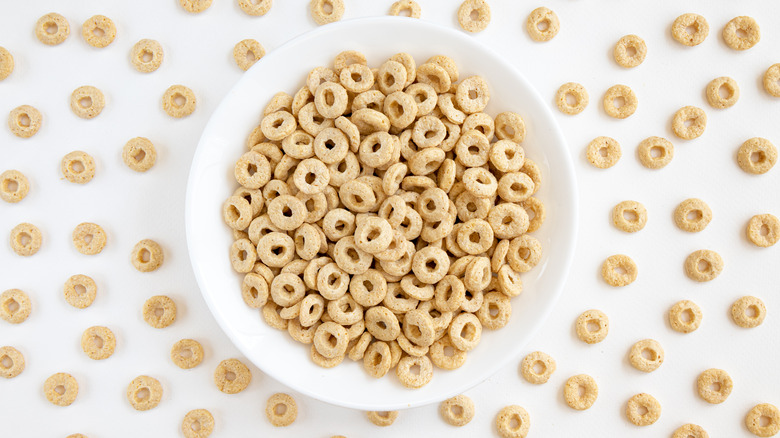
(652, 409)
(187, 353)
(80, 291)
(513, 422)
(757, 156)
(382, 418)
(14, 186)
(232, 376)
(510, 126)
(139, 154)
(741, 33)
(159, 311)
(61, 389)
(98, 31)
(457, 411)
(646, 355)
(52, 29)
(146, 55)
(474, 15)
(620, 101)
(78, 167)
(772, 80)
(763, 420)
(603, 152)
(253, 170)
(98, 342)
(692, 215)
(195, 6)
(281, 410)
(11, 362)
(178, 101)
(703, 265)
(198, 423)
(716, 98)
(89, 238)
(6, 63)
(690, 431)
(472, 96)
(689, 122)
(412, 380)
(574, 92)
(247, 52)
(144, 393)
(87, 102)
(629, 216)
(655, 152)
(580, 392)
(441, 359)
(24, 121)
(694, 21)
(15, 306)
(630, 51)
(255, 7)
(619, 270)
(25, 239)
(542, 24)
(592, 326)
(326, 11)
(537, 367)
(685, 316)
(763, 230)
(406, 8)
(714, 385)
(748, 312)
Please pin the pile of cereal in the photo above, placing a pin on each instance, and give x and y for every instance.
(378, 218)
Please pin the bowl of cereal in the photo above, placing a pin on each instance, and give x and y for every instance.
(381, 223)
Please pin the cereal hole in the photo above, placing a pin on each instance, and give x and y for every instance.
(715, 386)
(493, 309)
(233, 215)
(142, 394)
(649, 354)
(59, 389)
(741, 33)
(603, 152)
(694, 215)
(280, 409)
(593, 326)
(414, 370)
(657, 152)
(230, 376)
(642, 411)
(23, 120)
(514, 422)
(98, 32)
(327, 7)
(618, 102)
(97, 341)
(449, 351)
(692, 29)
(764, 421)
(76, 166)
(140, 155)
(195, 426)
(352, 254)
(689, 122)
(179, 100)
(12, 306)
(310, 177)
(159, 311)
(764, 230)
(287, 211)
(473, 94)
(703, 265)
(630, 215)
(631, 51)
(758, 157)
(619, 270)
(507, 220)
(382, 325)
(751, 311)
(456, 411)
(725, 92)
(474, 15)
(85, 102)
(185, 353)
(686, 316)
(24, 239)
(474, 237)
(571, 100)
(543, 25)
(51, 27)
(146, 56)
(524, 253)
(6, 362)
(581, 391)
(10, 186)
(539, 367)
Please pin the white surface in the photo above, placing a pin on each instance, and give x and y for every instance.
(198, 54)
(211, 182)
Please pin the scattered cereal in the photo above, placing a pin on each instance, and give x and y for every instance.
(13, 186)
(198, 423)
(255, 8)
(146, 55)
(326, 11)
(187, 353)
(763, 230)
(748, 312)
(147, 255)
(772, 80)
(195, 6)
(720, 86)
(144, 393)
(692, 215)
(98, 31)
(537, 367)
(232, 376)
(741, 33)
(98, 342)
(603, 152)
(457, 411)
(571, 98)
(690, 431)
(78, 167)
(87, 102)
(139, 154)
(25, 239)
(6, 63)
(11, 362)
(513, 422)
(643, 409)
(247, 52)
(474, 15)
(592, 326)
(178, 101)
(714, 385)
(61, 389)
(15, 306)
(542, 24)
(281, 410)
(89, 238)
(24, 121)
(620, 101)
(619, 270)
(646, 355)
(52, 29)
(80, 291)
(703, 265)
(580, 392)
(159, 311)
(757, 156)
(629, 216)
(630, 51)
(382, 418)
(655, 152)
(405, 8)
(763, 420)
(693, 21)
(685, 316)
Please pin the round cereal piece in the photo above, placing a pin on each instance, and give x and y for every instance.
(255, 8)
(87, 102)
(474, 15)
(195, 6)
(80, 291)
(689, 122)
(703, 265)
(326, 11)
(406, 8)
(382, 418)
(592, 326)
(742, 33)
(537, 367)
(11, 362)
(146, 55)
(14, 186)
(276, 249)
(772, 80)
(331, 339)
(231, 376)
(571, 98)
(187, 353)
(472, 96)
(24, 121)
(61, 389)
(98, 31)
(281, 410)
(139, 154)
(603, 152)
(513, 422)
(311, 176)
(377, 359)
(287, 212)
(685, 316)
(757, 156)
(510, 126)
(440, 356)
(542, 24)
(714, 385)
(159, 311)
(465, 331)
(52, 29)
(25, 239)
(763, 230)
(457, 411)
(690, 431)
(78, 167)
(748, 312)
(331, 100)
(6, 63)
(247, 52)
(323, 361)
(695, 22)
(692, 215)
(630, 51)
(580, 392)
(722, 92)
(619, 270)
(198, 423)
(655, 152)
(620, 101)
(144, 393)
(98, 342)
(763, 420)
(89, 238)
(15, 306)
(495, 310)
(178, 101)
(629, 216)
(646, 355)
(414, 380)
(643, 409)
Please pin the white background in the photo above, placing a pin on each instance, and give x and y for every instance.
(198, 54)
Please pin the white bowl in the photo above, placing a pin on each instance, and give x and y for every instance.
(211, 182)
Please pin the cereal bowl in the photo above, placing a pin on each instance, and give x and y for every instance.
(211, 181)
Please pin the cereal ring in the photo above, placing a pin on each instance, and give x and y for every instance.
(444, 360)
(757, 156)
(428, 132)
(771, 78)
(630, 51)
(592, 326)
(690, 431)
(629, 216)
(80, 291)
(495, 310)
(347, 58)
(187, 353)
(178, 101)
(406, 8)
(763, 230)
(6, 63)
(139, 154)
(377, 359)
(634, 409)
(748, 312)
(350, 257)
(714, 385)
(281, 410)
(61, 389)
(571, 98)
(330, 340)
(391, 77)
(510, 126)
(435, 76)
(537, 367)
(509, 282)
(330, 100)
(146, 55)
(716, 90)
(159, 311)
(25, 239)
(11, 362)
(655, 152)
(276, 249)
(412, 380)
(472, 96)
(287, 289)
(87, 102)
(255, 8)
(52, 29)
(356, 78)
(513, 422)
(195, 6)
(311, 177)
(620, 101)
(15, 306)
(14, 186)
(603, 152)
(198, 423)
(247, 52)
(508, 220)
(474, 15)
(763, 420)
(465, 331)
(457, 411)
(147, 255)
(98, 31)
(741, 33)
(253, 170)
(685, 316)
(580, 392)
(78, 167)
(326, 11)
(525, 252)
(89, 238)
(703, 265)
(646, 355)
(231, 376)
(619, 270)
(480, 182)
(542, 24)
(382, 323)
(692, 215)
(24, 121)
(693, 21)
(476, 236)
(382, 418)
(144, 393)
(506, 156)
(98, 342)
(689, 122)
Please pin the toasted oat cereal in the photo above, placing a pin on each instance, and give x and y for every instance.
(592, 326)
(139, 154)
(741, 33)
(147, 255)
(15, 306)
(510, 126)
(690, 431)
(763, 230)
(716, 98)
(629, 216)
(537, 367)
(61, 389)
(757, 156)
(25, 239)
(78, 167)
(574, 92)
(231, 376)
(457, 411)
(703, 265)
(619, 270)
(772, 80)
(412, 380)
(326, 11)
(692, 215)
(89, 238)
(98, 342)
(652, 409)
(542, 24)
(11, 362)
(80, 291)
(474, 15)
(763, 420)
(255, 8)
(580, 392)
(630, 51)
(603, 152)
(620, 101)
(6, 63)
(146, 55)
(14, 186)
(52, 29)
(187, 353)
(87, 102)
(748, 312)
(247, 52)
(646, 355)
(198, 423)
(281, 410)
(655, 152)
(685, 316)
(195, 6)
(98, 31)
(513, 422)
(714, 385)
(24, 121)
(689, 122)
(144, 393)
(382, 418)
(695, 22)
(178, 101)
(159, 311)
(406, 8)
